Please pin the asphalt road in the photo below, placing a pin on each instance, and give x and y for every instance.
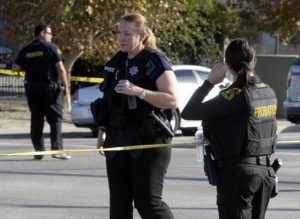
(77, 188)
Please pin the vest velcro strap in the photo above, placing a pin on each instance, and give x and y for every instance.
(264, 146)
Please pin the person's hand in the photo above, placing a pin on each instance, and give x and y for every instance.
(66, 91)
(100, 141)
(126, 87)
(218, 73)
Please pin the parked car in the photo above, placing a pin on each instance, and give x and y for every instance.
(292, 101)
(189, 78)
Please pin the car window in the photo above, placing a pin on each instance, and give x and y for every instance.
(185, 76)
(202, 74)
(295, 73)
(295, 80)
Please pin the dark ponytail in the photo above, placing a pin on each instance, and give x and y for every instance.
(238, 57)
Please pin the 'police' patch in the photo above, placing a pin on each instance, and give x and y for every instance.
(228, 94)
(109, 69)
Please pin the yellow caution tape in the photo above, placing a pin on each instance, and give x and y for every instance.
(11, 73)
(125, 148)
(73, 78)
(86, 79)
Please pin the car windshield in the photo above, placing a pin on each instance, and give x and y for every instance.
(295, 81)
(185, 76)
(203, 75)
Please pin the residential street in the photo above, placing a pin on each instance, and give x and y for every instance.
(77, 188)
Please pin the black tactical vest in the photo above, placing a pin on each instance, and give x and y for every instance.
(251, 133)
(262, 126)
(122, 110)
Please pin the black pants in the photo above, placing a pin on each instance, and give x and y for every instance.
(137, 176)
(244, 191)
(44, 103)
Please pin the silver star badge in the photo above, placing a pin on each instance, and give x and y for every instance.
(133, 70)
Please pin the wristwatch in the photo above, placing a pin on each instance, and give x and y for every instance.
(142, 94)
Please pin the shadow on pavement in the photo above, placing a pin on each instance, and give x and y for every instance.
(288, 146)
(47, 135)
(292, 128)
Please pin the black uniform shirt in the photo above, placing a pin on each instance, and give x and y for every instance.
(142, 71)
(38, 60)
(157, 65)
(229, 102)
(226, 114)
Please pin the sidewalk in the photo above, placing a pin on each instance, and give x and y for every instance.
(15, 118)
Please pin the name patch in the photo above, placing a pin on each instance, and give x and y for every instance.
(265, 111)
(34, 54)
(261, 85)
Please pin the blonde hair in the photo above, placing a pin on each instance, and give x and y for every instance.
(141, 25)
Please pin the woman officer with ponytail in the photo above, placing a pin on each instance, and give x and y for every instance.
(240, 127)
(138, 81)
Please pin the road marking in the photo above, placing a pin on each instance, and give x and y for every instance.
(289, 142)
(288, 153)
(65, 145)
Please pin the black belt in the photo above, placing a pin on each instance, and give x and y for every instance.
(259, 160)
(42, 84)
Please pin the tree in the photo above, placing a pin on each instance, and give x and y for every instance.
(199, 37)
(188, 31)
(80, 27)
(274, 17)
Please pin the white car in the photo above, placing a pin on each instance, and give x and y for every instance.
(189, 78)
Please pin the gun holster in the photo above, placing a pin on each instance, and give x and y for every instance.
(275, 188)
(163, 124)
(277, 163)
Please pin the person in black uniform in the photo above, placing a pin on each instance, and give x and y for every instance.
(138, 81)
(42, 62)
(240, 128)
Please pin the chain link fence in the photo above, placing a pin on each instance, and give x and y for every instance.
(11, 85)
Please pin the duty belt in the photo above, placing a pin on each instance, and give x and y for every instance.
(39, 84)
(259, 160)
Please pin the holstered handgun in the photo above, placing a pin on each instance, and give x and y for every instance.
(163, 124)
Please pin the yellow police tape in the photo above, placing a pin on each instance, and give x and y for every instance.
(125, 148)
(86, 79)
(73, 78)
(11, 73)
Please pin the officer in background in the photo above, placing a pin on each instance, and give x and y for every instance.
(42, 62)
(240, 126)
